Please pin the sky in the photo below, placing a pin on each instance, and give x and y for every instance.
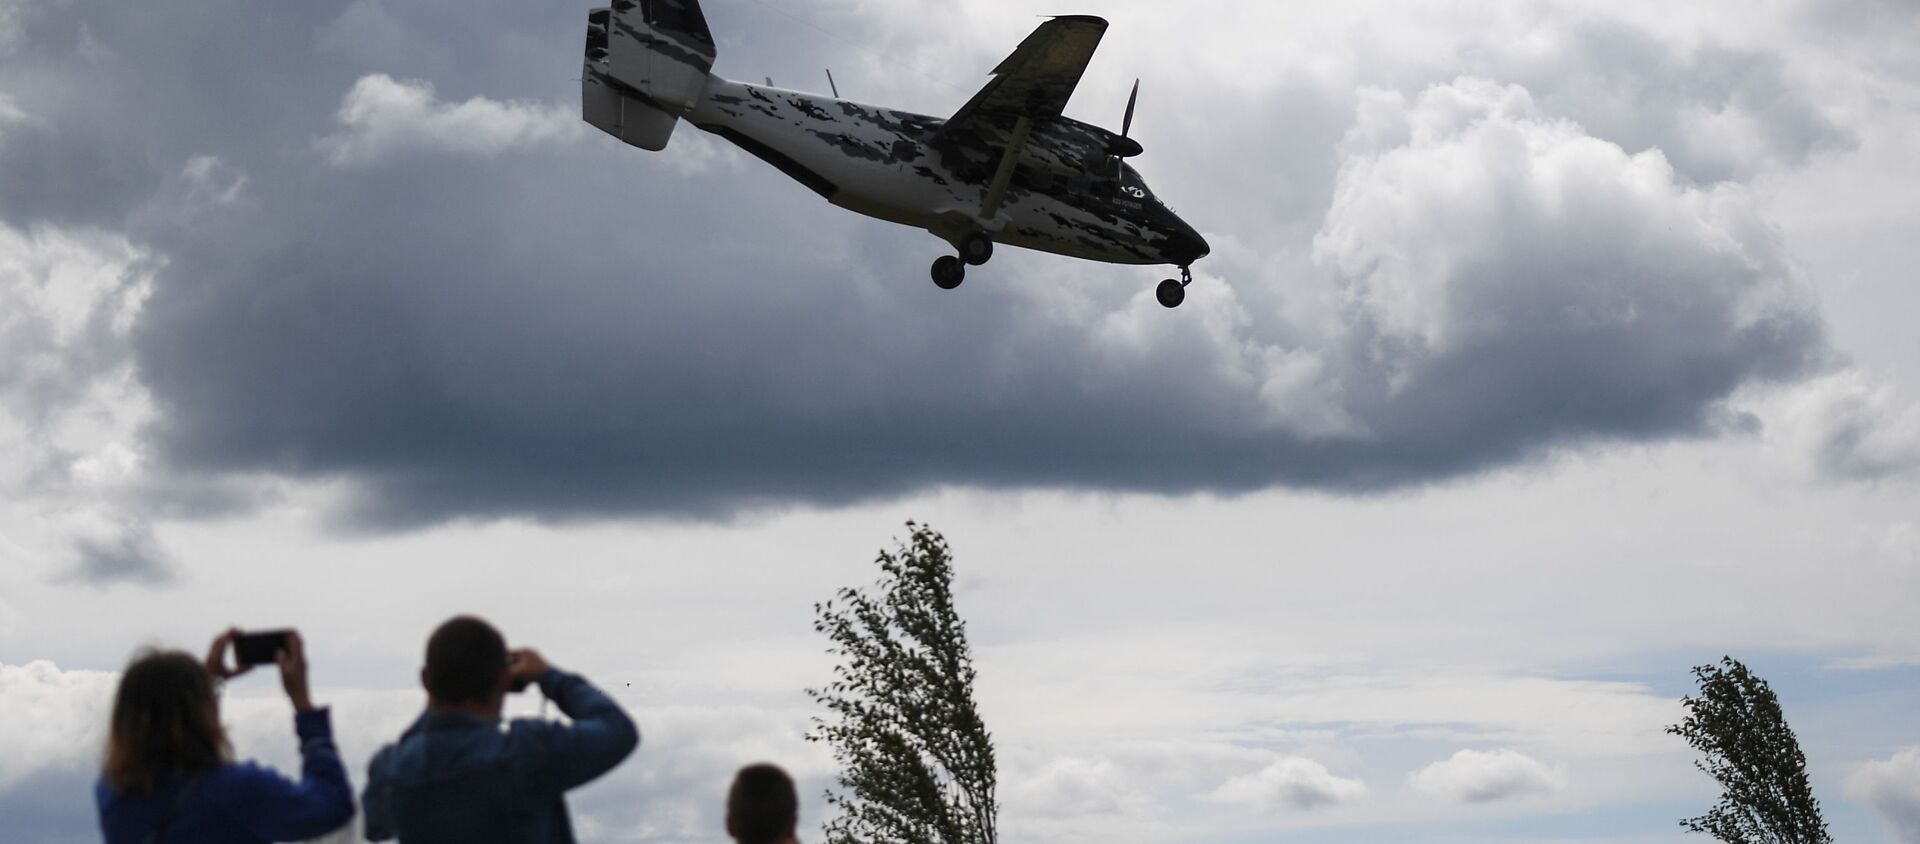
(1545, 351)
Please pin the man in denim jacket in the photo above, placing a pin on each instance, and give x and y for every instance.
(456, 776)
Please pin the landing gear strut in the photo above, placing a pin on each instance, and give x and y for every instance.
(948, 272)
(1171, 293)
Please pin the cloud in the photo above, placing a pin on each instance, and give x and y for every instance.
(126, 551)
(1468, 280)
(1891, 788)
(1508, 285)
(10, 113)
(1848, 426)
(1292, 783)
(57, 720)
(69, 403)
(1497, 258)
(1475, 776)
(382, 116)
(1717, 112)
(1075, 786)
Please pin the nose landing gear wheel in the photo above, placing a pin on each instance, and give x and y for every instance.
(1170, 293)
(976, 248)
(948, 272)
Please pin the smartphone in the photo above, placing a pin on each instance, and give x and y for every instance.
(259, 648)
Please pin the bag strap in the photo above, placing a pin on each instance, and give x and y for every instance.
(166, 819)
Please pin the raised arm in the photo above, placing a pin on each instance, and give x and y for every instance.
(278, 809)
(569, 755)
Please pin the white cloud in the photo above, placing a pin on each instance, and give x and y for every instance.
(1290, 783)
(1475, 776)
(382, 116)
(56, 720)
(1075, 786)
(1465, 220)
(70, 405)
(1891, 788)
(1846, 425)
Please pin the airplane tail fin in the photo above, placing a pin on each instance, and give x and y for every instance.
(647, 62)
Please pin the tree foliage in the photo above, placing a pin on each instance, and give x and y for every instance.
(916, 762)
(1736, 722)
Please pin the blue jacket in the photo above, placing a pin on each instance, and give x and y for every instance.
(459, 778)
(241, 803)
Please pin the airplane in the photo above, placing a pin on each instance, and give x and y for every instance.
(1007, 168)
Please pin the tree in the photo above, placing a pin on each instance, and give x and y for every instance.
(1766, 799)
(916, 762)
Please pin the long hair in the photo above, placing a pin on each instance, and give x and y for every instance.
(165, 721)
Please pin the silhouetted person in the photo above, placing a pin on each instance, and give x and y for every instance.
(169, 774)
(456, 776)
(762, 807)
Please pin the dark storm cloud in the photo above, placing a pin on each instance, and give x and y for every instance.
(574, 328)
(129, 554)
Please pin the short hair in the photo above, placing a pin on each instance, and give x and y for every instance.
(762, 806)
(165, 722)
(465, 660)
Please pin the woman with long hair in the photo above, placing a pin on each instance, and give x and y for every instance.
(169, 774)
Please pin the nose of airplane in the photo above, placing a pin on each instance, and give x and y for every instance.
(1185, 245)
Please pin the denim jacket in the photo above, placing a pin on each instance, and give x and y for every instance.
(460, 778)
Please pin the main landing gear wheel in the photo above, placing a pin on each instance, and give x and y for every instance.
(1170, 293)
(976, 248)
(948, 272)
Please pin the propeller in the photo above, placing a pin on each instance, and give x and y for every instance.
(1125, 147)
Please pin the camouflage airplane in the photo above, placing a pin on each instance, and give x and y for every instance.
(1007, 168)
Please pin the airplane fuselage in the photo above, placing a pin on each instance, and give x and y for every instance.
(1065, 196)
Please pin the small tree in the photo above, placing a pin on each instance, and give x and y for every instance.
(916, 762)
(1766, 799)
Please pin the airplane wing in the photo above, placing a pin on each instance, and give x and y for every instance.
(1037, 79)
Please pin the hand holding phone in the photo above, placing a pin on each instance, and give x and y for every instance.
(217, 656)
(266, 647)
(292, 659)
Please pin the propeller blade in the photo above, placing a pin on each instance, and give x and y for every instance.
(1127, 123)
